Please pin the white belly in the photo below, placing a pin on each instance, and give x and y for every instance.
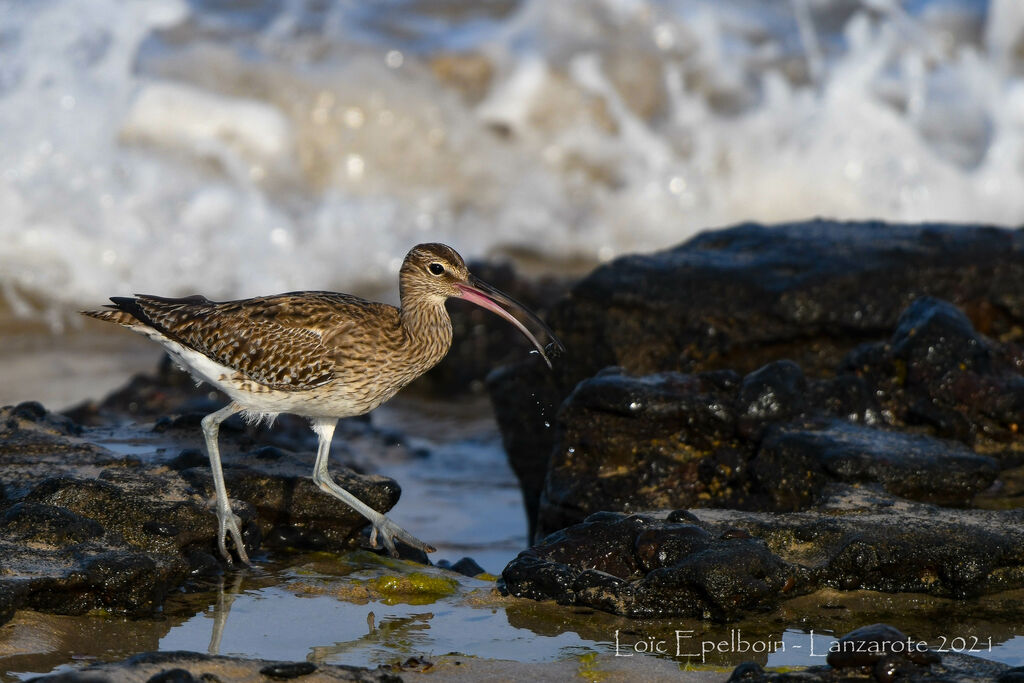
(259, 401)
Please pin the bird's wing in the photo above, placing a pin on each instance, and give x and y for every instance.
(288, 342)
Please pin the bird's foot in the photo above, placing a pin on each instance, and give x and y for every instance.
(230, 523)
(388, 531)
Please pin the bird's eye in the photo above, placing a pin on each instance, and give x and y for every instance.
(436, 268)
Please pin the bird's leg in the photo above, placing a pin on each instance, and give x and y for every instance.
(227, 520)
(383, 527)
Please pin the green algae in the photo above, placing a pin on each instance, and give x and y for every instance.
(588, 669)
(414, 588)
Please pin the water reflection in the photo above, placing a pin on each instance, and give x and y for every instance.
(322, 613)
(322, 608)
(222, 609)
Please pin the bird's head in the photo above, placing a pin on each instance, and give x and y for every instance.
(434, 272)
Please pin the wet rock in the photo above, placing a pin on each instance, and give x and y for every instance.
(638, 443)
(71, 545)
(742, 297)
(639, 566)
(467, 566)
(529, 576)
(774, 393)
(29, 410)
(282, 494)
(33, 411)
(31, 522)
(83, 528)
(881, 653)
(722, 581)
(1014, 675)
(795, 462)
(747, 671)
(719, 563)
(863, 539)
(669, 544)
(765, 441)
(203, 564)
(192, 666)
(937, 371)
(870, 645)
(187, 459)
(826, 296)
(288, 670)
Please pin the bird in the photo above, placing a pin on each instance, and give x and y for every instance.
(317, 354)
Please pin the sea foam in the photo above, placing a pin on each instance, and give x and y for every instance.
(158, 146)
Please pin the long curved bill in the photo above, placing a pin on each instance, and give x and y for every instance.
(486, 296)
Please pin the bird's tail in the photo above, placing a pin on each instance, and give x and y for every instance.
(113, 314)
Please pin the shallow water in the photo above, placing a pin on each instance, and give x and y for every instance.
(459, 493)
(318, 608)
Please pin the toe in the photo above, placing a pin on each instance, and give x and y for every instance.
(389, 543)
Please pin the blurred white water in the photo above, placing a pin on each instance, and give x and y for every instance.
(235, 149)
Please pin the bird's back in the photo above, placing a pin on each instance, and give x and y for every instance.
(286, 342)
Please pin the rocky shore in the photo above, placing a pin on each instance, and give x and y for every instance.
(764, 412)
(757, 368)
(85, 525)
(753, 417)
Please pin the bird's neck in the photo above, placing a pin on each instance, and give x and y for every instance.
(427, 328)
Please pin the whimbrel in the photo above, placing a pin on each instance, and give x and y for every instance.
(320, 355)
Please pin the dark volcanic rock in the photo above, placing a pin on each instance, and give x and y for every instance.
(795, 462)
(820, 310)
(938, 372)
(742, 297)
(674, 440)
(192, 666)
(859, 539)
(467, 566)
(771, 394)
(83, 528)
(869, 645)
(640, 566)
(885, 654)
(719, 563)
(882, 380)
(628, 443)
(283, 495)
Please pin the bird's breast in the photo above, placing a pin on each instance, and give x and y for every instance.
(373, 381)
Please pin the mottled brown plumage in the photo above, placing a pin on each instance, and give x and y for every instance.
(322, 355)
